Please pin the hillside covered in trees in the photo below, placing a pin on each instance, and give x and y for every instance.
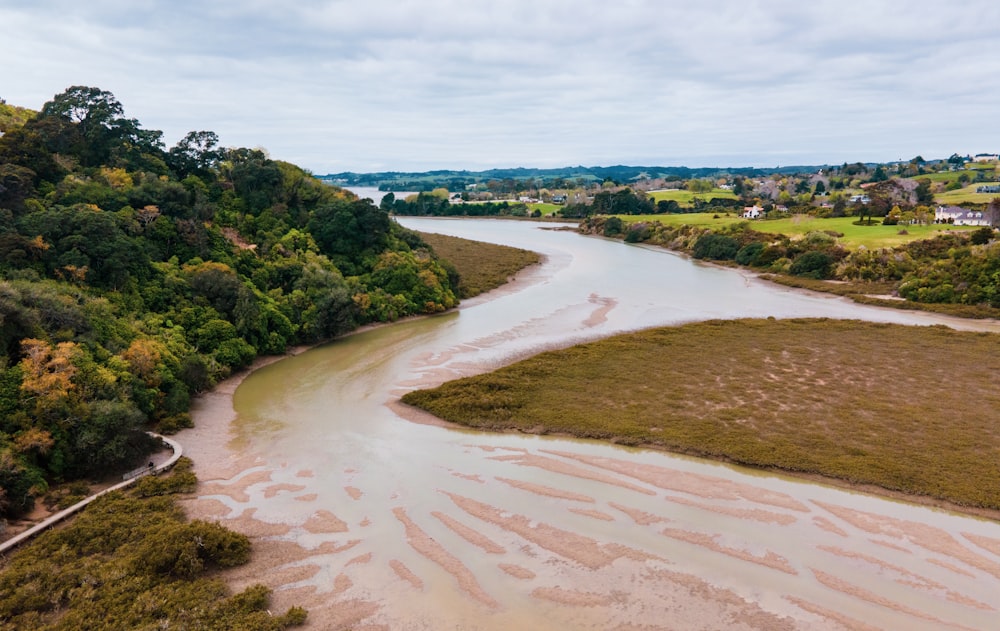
(133, 276)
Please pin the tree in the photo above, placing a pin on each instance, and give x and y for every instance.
(194, 154)
(100, 120)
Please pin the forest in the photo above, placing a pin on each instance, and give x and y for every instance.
(133, 276)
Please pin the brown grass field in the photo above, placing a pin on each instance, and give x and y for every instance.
(908, 409)
(481, 266)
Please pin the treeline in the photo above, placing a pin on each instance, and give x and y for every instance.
(133, 276)
(553, 178)
(958, 268)
(430, 204)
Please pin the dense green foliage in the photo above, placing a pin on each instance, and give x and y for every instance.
(915, 412)
(132, 277)
(131, 563)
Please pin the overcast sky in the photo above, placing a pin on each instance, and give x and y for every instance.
(371, 85)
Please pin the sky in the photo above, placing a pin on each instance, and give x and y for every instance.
(414, 85)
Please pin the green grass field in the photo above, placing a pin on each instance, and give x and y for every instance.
(914, 412)
(546, 209)
(686, 198)
(874, 236)
(967, 194)
(951, 176)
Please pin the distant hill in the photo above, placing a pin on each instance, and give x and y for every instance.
(551, 178)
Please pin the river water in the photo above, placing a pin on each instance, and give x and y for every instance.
(373, 520)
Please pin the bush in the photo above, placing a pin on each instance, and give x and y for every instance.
(749, 253)
(812, 264)
(716, 247)
(981, 236)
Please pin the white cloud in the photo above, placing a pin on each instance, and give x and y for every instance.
(380, 84)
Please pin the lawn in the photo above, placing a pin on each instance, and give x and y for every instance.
(967, 194)
(686, 198)
(546, 209)
(911, 413)
(874, 236)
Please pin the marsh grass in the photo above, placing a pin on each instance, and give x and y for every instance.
(909, 409)
(481, 266)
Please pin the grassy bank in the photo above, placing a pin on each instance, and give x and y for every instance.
(905, 408)
(481, 266)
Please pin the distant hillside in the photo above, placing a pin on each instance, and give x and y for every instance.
(552, 178)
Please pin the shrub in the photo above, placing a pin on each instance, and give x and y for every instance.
(981, 236)
(716, 247)
(812, 264)
(749, 253)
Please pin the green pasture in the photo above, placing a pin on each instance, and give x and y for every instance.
(686, 198)
(947, 176)
(546, 209)
(873, 236)
(967, 195)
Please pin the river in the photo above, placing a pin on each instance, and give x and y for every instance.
(372, 520)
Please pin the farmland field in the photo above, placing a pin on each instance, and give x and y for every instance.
(686, 198)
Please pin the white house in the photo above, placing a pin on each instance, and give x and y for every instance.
(961, 216)
(752, 212)
(985, 157)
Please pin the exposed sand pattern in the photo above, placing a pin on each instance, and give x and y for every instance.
(548, 491)
(474, 537)
(986, 543)
(596, 514)
(754, 514)
(599, 315)
(904, 576)
(928, 537)
(404, 573)
(206, 508)
(852, 624)
(355, 493)
(569, 545)
(305, 473)
(703, 486)
(731, 611)
(428, 547)
(472, 478)
(770, 559)
(851, 589)
(235, 488)
(358, 560)
(949, 566)
(275, 489)
(829, 526)
(571, 597)
(323, 521)
(308, 497)
(638, 516)
(517, 571)
(558, 466)
(890, 545)
(246, 522)
(341, 584)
